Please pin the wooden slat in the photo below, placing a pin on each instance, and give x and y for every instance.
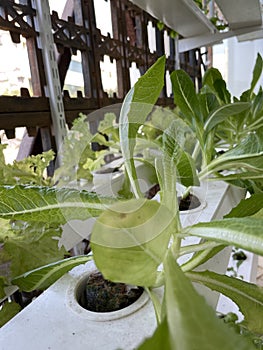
(79, 32)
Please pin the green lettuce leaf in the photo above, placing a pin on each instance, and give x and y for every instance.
(36, 247)
(49, 204)
(187, 172)
(257, 71)
(8, 311)
(136, 106)
(42, 277)
(245, 233)
(2, 285)
(247, 207)
(130, 239)
(27, 171)
(224, 112)
(248, 297)
(192, 323)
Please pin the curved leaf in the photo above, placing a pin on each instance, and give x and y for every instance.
(208, 103)
(49, 204)
(248, 297)
(35, 246)
(130, 239)
(245, 233)
(186, 99)
(2, 286)
(42, 277)
(185, 166)
(257, 71)
(211, 76)
(136, 106)
(187, 172)
(192, 323)
(214, 82)
(8, 311)
(221, 89)
(185, 95)
(247, 207)
(224, 112)
(247, 155)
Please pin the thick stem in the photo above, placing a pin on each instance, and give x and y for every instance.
(156, 304)
(196, 151)
(176, 246)
(196, 260)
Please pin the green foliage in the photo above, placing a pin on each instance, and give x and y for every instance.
(160, 25)
(136, 107)
(2, 285)
(5, 230)
(185, 98)
(49, 204)
(131, 231)
(249, 298)
(8, 311)
(245, 232)
(109, 127)
(189, 316)
(224, 112)
(34, 245)
(257, 71)
(30, 170)
(79, 142)
(132, 240)
(186, 170)
(247, 207)
(42, 277)
(220, 122)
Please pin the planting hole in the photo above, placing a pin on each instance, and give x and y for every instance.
(100, 295)
(188, 203)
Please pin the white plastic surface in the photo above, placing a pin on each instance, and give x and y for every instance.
(54, 321)
(241, 14)
(181, 15)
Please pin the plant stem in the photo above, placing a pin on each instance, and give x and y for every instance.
(197, 247)
(196, 260)
(196, 151)
(251, 127)
(176, 246)
(186, 192)
(156, 304)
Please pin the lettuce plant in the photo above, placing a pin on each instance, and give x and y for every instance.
(229, 131)
(133, 238)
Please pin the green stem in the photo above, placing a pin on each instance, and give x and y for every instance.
(186, 192)
(256, 122)
(197, 247)
(176, 246)
(156, 304)
(196, 151)
(206, 171)
(196, 260)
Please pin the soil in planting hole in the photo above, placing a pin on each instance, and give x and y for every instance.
(188, 203)
(100, 295)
